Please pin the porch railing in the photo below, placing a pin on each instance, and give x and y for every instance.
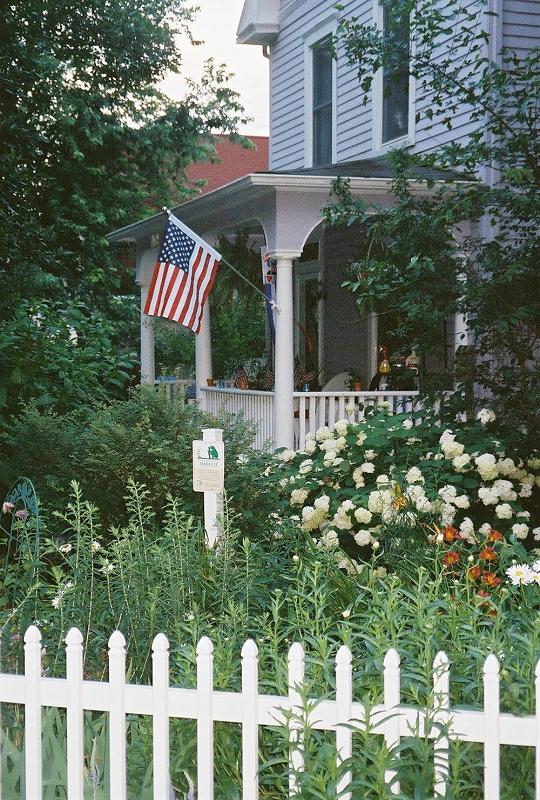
(256, 407)
(311, 409)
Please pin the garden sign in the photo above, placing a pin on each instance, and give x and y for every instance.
(209, 477)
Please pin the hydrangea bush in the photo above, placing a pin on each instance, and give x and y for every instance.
(362, 487)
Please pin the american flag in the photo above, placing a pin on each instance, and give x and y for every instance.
(183, 276)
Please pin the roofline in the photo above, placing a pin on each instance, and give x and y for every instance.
(269, 180)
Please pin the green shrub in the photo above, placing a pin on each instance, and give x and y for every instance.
(144, 438)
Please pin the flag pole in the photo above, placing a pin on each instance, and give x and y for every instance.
(271, 303)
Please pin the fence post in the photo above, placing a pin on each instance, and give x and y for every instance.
(296, 682)
(160, 720)
(75, 729)
(391, 701)
(491, 728)
(343, 715)
(117, 716)
(250, 721)
(441, 701)
(32, 714)
(205, 720)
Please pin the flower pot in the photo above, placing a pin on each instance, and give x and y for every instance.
(357, 386)
(242, 383)
(210, 382)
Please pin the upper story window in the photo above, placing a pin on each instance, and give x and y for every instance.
(320, 95)
(394, 100)
(323, 68)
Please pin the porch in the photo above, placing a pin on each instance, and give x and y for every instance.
(283, 212)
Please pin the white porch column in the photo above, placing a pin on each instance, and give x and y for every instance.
(284, 355)
(203, 355)
(145, 268)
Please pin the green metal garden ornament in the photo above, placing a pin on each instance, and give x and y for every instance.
(19, 521)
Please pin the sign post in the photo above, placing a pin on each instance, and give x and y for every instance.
(209, 477)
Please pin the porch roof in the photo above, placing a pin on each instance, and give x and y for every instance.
(286, 204)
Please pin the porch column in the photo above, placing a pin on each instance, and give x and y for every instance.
(203, 355)
(284, 355)
(145, 268)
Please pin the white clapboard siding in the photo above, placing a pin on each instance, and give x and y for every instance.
(343, 715)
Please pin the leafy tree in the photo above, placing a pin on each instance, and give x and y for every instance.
(416, 267)
(88, 143)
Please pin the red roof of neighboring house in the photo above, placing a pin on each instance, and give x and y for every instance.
(234, 162)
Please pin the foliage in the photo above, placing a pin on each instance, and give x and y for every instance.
(145, 438)
(489, 274)
(389, 486)
(89, 143)
(145, 578)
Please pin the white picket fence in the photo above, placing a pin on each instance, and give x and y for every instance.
(251, 710)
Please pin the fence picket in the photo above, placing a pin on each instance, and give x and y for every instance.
(491, 730)
(250, 725)
(117, 716)
(391, 701)
(343, 715)
(205, 721)
(441, 701)
(296, 682)
(75, 715)
(160, 719)
(32, 713)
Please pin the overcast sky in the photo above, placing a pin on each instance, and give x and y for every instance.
(216, 24)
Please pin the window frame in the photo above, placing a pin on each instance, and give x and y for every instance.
(311, 38)
(408, 140)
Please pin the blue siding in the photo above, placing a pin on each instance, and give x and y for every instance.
(519, 28)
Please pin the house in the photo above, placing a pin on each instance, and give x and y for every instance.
(319, 129)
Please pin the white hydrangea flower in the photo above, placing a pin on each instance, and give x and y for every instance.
(525, 490)
(505, 490)
(368, 467)
(327, 445)
(299, 497)
(488, 495)
(536, 534)
(363, 516)
(341, 426)
(407, 423)
(534, 463)
(362, 538)
(504, 511)
(370, 455)
(347, 505)
(310, 447)
(520, 574)
(329, 458)
(462, 501)
(461, 462)
(358, 477)
(487, 466)
(412, 440)
(322, 503)
(448, 493)
(448, 513)
(414, 476)
(305, 467)
(375, 502)
(466, 529)
(342, 521)
(341, 444)
(524, 514)
(485, 416)
(485, 528)
(286, 456)
(361, 438)
(452, 449)
(520, 530)
(350, 408)
(507, 467)
(329, 539)
(446, 436)
(438, 457)
(324, 433)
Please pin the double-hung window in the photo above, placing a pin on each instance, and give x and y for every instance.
(322, 93)
(320, 85)
(395, 104)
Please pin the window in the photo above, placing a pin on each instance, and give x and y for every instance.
(322, 93)
(395, 79)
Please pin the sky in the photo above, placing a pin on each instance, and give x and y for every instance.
(216, 25)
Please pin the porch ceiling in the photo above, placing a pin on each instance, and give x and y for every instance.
(287, 205)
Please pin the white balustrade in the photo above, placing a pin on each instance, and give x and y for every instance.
(254, 406)
(250, 709)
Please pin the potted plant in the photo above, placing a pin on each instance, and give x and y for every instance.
(354, 381)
